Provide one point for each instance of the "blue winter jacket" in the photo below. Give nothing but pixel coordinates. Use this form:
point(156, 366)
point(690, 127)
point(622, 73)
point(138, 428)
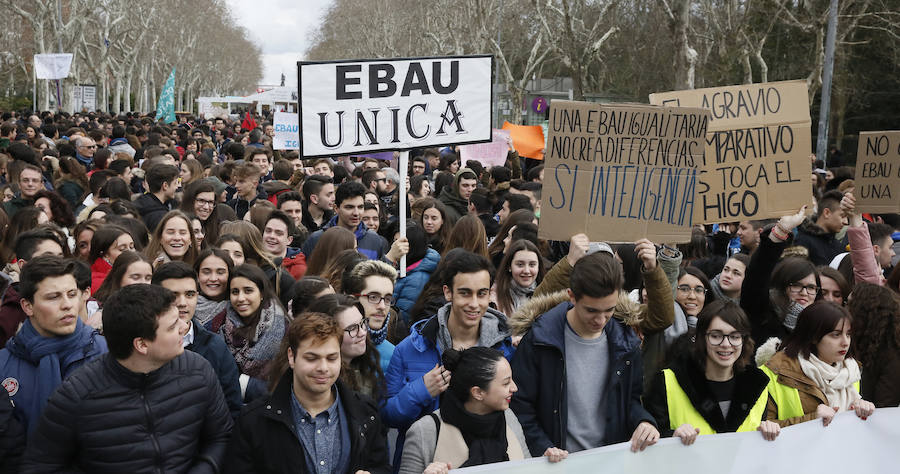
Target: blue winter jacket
point(408, 288)
point(407, 398)
point(368, 243)
point(539, 370)
point(29, 384)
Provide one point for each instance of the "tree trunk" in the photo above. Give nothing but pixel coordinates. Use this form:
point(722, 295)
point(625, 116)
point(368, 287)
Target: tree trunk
point(684, 57)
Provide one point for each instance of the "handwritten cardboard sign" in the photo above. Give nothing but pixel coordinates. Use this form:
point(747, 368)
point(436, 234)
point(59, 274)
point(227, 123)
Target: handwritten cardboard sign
point(758, 144)
point(492, 153)
point(352, 107)
point(620, 172)
point(877, 182)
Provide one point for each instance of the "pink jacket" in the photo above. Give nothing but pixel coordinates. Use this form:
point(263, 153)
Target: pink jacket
point(865, 267)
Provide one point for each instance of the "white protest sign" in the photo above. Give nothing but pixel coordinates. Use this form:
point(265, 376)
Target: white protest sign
point(848, 444)
point(492, 153)
point(285, 131)
point(349, 107)
point(52, 66)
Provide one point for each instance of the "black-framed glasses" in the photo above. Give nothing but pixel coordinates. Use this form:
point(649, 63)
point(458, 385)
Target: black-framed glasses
point(87, 146)
point(716, 338)
point(358, 329)
point(375, 298)
point(205, 203)
point(796, 288)
point(686, 289)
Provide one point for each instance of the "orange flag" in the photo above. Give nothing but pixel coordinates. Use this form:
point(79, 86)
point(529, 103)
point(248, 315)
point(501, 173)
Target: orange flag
point(527, 139)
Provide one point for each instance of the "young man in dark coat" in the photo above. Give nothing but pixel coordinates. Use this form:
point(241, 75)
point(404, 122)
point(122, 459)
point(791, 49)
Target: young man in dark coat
point(181, 279)
point(147, 406)
point(579, 370)
point(312, 422)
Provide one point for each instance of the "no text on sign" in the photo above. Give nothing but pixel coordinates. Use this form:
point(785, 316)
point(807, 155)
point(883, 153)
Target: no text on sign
point(349, 107)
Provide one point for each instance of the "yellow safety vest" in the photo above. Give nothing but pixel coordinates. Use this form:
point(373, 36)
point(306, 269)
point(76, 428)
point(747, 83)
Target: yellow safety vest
point(787, 399)
point(682, 411)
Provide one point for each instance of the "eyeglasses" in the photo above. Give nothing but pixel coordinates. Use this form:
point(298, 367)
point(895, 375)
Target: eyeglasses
point(375, 298)
point(797, 288)
point(358, 329)
point(88, 146)
point(716, 338)
point(205, 203)
point(685, 289)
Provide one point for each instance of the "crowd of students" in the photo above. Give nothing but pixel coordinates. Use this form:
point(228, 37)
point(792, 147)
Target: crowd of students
point(184, 298)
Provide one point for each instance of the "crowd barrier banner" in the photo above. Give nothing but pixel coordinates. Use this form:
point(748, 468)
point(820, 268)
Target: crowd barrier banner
point(350, 107)
point(877, 179)
point(286, 129)
point(620, 173)
point(758, 145)
point(847, 445)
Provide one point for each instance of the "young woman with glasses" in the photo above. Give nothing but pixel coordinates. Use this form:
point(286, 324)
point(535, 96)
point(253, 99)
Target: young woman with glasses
point(200, 200)
point(361, 368)
point(713, 387)
point(692, 293)
point(774, 290)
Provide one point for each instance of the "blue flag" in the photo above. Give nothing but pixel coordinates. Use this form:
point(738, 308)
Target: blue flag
point(165, 108)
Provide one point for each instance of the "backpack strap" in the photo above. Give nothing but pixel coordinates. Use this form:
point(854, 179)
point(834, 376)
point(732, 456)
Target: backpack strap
point(437, 426)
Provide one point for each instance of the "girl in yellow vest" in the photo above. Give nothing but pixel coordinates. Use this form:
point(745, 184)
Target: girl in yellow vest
point(713, 387)
point(813, 376)
point(474, 425)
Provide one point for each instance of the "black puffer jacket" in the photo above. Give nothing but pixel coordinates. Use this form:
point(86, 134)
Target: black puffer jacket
point(152, 210)
point(105, 418)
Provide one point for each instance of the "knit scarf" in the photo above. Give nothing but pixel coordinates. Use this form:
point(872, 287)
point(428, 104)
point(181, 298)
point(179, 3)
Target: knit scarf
point(253, 355)
point(52, 356)
point(716, 286)
point(485, 435)
point(379, 335)
point(207, 309)
point(835, 381)
point(789, 315)
point(520, 294)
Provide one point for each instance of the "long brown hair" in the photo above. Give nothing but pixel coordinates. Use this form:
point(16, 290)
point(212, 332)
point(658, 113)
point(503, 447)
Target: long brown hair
point(332, 242)
point(439, 239)
point(155, 248)
point(876, 322)
point(336, 267)
point(504, 274)
point(113, 280)
point(515, 218)
point(469, 234)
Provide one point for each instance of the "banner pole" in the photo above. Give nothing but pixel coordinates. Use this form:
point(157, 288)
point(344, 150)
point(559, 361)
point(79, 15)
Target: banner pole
point(404, 172)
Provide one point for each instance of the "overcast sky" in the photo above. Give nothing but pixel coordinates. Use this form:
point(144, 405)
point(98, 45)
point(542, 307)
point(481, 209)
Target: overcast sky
point(283, 30)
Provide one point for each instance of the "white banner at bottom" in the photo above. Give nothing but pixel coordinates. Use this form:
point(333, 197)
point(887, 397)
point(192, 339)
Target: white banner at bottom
point(847, 445)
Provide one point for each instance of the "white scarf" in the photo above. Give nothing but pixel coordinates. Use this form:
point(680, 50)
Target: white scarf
point(836, 382)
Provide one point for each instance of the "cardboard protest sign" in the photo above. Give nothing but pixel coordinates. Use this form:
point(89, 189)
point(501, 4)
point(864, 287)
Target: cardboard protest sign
point(877, 179)
point(350, 107)
point(492, 153)
point(286, 129)
point(621, 172)
point(757, 149)
point(528, 140)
